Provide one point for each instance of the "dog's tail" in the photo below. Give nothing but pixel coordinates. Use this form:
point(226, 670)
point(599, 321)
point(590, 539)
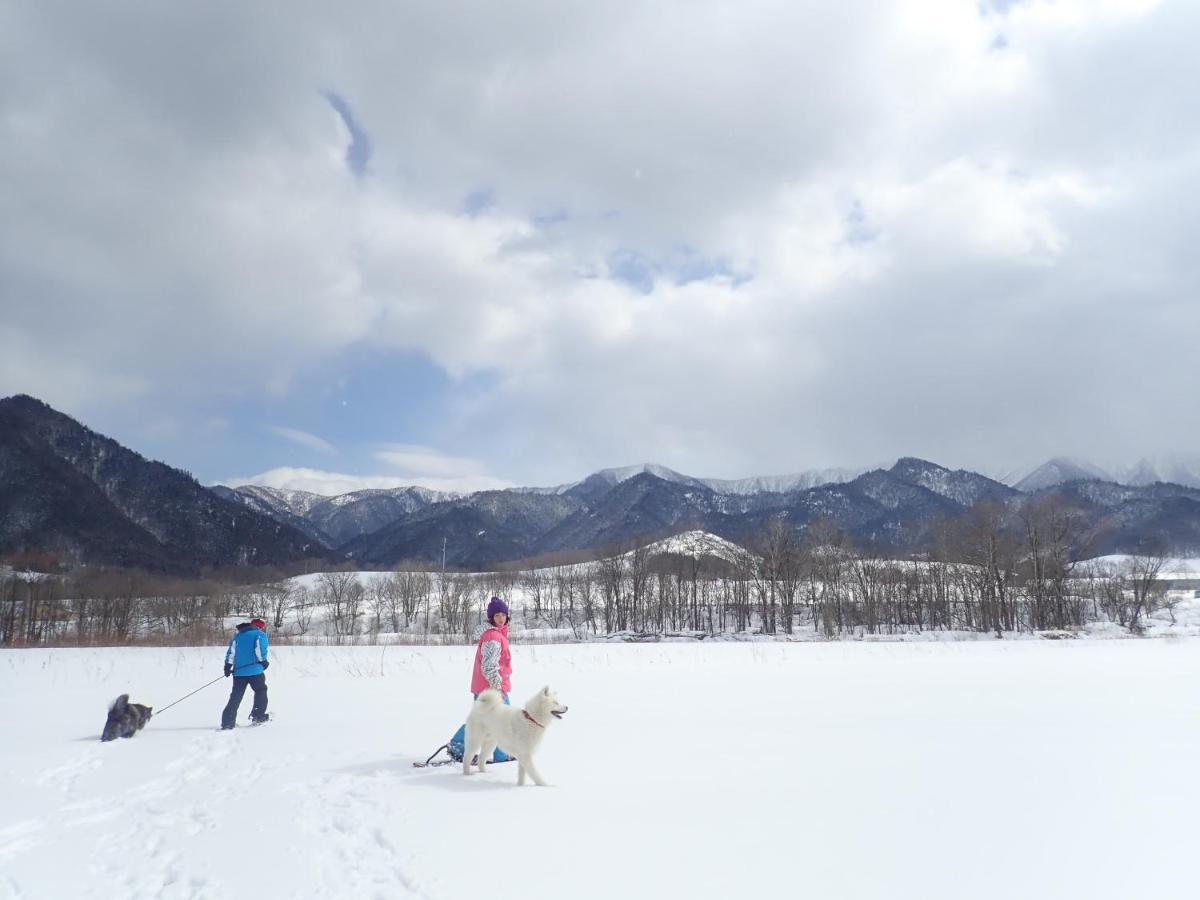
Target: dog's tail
point(116, 712)
point(491, 698)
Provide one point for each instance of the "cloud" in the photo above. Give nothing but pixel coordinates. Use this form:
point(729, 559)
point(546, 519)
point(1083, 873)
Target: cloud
point(786, 235)
point(318, 481)
point(427, 461)
point(410, 464)
point(303, 439)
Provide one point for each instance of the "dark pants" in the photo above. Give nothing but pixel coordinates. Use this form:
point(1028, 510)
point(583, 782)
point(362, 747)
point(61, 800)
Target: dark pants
point(259, 684)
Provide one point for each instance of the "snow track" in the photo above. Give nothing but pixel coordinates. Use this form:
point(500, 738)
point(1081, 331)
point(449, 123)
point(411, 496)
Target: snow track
point(359, 829)
point(924, 770)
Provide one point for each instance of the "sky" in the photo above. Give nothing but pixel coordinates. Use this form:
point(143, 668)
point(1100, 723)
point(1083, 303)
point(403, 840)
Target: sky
point(473, 245)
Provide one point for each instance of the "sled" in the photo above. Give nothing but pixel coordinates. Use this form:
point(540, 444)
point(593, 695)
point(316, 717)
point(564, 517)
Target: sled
point(432, 763)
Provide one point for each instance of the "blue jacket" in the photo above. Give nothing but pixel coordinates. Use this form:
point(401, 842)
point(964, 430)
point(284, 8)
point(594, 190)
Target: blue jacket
point(247, 650)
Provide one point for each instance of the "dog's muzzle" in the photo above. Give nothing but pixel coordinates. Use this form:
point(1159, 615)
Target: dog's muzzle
point(559, 713)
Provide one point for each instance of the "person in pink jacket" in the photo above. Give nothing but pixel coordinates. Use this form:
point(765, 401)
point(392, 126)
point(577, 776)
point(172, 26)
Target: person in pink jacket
point(493, 663)
point(492, 669)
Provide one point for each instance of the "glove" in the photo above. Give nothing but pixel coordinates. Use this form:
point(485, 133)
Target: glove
point(228, 670)
point(265, 664)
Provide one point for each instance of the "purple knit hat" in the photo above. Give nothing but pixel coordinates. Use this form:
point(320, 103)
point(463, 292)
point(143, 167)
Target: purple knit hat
point(494, 606)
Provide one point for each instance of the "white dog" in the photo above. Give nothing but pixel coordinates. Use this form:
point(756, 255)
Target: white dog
point(518, 731)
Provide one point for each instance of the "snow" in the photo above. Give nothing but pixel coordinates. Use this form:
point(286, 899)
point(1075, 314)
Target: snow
point(781, 484)
point(926, 770)
point(737, 486)
point(1176, 468)
point(1173, 569)
point(624, 473)
point(1058, 470)
point(696, 543)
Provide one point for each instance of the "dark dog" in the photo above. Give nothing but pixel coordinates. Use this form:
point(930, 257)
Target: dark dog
point(125, 719)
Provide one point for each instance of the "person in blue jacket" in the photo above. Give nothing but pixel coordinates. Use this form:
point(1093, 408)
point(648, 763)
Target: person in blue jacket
point(246, 661)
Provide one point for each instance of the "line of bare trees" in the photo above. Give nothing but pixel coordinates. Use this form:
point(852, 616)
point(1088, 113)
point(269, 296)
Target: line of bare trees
point(108, 608)
point(994, 571)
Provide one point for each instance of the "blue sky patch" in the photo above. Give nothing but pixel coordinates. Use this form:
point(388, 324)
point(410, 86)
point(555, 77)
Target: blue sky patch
point(478, 202)
point(633, 269)
point(357, 401)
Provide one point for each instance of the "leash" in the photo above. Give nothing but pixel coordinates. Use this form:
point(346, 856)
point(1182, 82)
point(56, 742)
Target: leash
point(432, 755)
point(196, 691)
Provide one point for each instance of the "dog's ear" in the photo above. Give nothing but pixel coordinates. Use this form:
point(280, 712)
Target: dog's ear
point(546, 691)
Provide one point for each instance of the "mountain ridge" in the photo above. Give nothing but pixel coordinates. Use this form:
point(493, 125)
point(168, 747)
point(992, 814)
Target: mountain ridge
point(82, 496)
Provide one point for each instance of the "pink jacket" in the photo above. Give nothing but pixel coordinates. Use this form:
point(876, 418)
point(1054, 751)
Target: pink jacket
point(492, 659)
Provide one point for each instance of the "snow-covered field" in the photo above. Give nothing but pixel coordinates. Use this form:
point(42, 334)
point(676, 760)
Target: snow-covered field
point(1034, 769)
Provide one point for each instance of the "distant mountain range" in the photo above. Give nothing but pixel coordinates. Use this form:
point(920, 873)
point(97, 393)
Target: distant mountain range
point(776, 484)
point(82, 497)
point(1178, 469)
point(334, 520)
point(894, 508)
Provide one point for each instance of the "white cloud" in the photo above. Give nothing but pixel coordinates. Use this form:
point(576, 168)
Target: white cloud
point(426, 461)
point(303, 439)
point(318, 481)
point(411, 465)
point(977, 209)
point(936, 216)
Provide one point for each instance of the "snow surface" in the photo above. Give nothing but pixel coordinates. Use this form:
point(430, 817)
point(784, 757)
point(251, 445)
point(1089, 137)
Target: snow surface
point(1173, 569)
point(1058, 470)
point(738, 486)
point(1176, 468)
point(695, 543)
point(1061, 769)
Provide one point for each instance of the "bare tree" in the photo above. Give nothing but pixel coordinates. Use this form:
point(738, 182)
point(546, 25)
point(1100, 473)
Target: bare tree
point(454, 600)
point(986, 540)
point(1051, 531)
point(341, 595)
point(639, 577)
point(585, 585)
point(1144, 585)
point(611, 570)
point(302, 609)
point(277, 600)
point(824, 553)
point(407, 589)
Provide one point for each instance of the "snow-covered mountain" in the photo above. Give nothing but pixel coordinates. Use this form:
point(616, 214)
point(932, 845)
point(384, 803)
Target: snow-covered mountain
point(609, 478)
point(896, 507)
point(335, 520)
point(758, 484)
point(298, 503)
point(697, 544)
point(963, 487)
point(1169, 468)
point(1174, 469)
point(347, 516)
point(78, 496)
point(782, 484)
point(1060, 470)
point(289, 507)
